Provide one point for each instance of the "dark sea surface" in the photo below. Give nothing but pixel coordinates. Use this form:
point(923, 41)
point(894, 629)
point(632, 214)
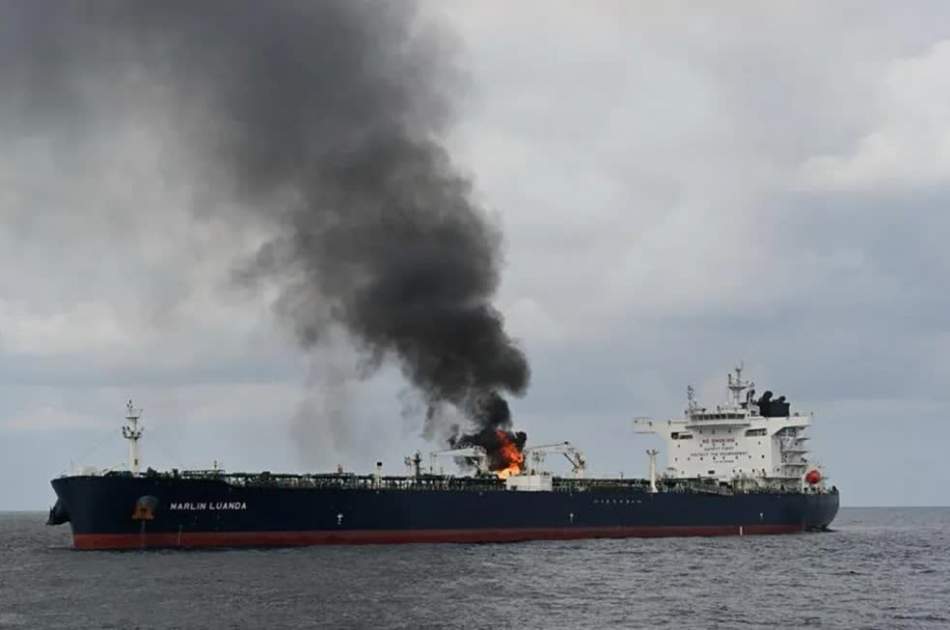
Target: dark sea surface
point(880, 568)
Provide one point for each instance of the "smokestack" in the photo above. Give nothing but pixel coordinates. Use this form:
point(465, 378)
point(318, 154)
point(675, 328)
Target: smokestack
point(324, 121)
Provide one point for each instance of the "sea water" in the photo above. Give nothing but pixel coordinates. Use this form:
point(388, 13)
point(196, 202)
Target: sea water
point(880, 568)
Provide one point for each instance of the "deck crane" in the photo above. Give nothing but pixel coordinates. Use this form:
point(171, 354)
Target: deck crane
point(474, 454)
point(574, 456)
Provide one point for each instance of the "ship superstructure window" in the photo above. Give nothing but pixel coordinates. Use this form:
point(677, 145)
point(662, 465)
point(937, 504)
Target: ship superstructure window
point(755, 432)
point(720, 416)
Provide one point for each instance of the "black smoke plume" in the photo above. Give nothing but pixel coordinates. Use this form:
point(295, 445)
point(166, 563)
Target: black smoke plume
point(324, 119)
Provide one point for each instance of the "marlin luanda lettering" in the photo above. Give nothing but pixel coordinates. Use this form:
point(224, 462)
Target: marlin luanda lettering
point(206, 505)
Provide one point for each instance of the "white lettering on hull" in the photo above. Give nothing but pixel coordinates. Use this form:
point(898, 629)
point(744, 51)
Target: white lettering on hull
point(197, 506)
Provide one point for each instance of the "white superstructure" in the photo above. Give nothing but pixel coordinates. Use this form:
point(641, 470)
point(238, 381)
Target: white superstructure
point(745, 440)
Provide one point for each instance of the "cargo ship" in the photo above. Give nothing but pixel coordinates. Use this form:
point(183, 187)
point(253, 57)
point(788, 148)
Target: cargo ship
point(740, 468)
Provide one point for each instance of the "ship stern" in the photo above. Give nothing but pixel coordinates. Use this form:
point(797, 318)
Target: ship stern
point(821, 510)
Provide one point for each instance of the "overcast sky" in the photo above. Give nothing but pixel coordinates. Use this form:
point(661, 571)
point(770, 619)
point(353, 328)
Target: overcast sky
point(679, 189)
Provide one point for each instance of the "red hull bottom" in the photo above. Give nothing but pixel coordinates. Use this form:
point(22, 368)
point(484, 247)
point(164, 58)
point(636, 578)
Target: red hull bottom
point(387, 537)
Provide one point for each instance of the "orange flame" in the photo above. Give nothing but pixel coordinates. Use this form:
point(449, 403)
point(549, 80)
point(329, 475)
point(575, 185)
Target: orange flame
point(509, 453)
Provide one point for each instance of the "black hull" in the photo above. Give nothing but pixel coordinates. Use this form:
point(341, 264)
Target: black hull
point(116, 512)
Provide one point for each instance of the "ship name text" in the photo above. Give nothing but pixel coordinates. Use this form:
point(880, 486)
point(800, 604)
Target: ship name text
point(195, 506)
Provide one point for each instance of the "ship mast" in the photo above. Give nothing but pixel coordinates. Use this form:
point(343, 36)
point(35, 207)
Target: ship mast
point(133, 432)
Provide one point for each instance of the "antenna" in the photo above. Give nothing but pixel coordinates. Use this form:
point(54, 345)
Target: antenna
point(132, 432)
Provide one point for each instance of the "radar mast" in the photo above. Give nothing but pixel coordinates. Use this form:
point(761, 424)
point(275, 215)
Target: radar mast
point(737, 385)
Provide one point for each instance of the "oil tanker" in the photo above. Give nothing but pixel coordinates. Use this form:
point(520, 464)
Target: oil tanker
point(740, 468)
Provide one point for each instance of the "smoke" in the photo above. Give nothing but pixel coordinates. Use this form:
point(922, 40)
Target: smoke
point(323, 121)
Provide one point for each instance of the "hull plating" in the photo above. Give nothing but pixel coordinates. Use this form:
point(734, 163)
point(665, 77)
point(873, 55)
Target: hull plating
point(132, 513)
